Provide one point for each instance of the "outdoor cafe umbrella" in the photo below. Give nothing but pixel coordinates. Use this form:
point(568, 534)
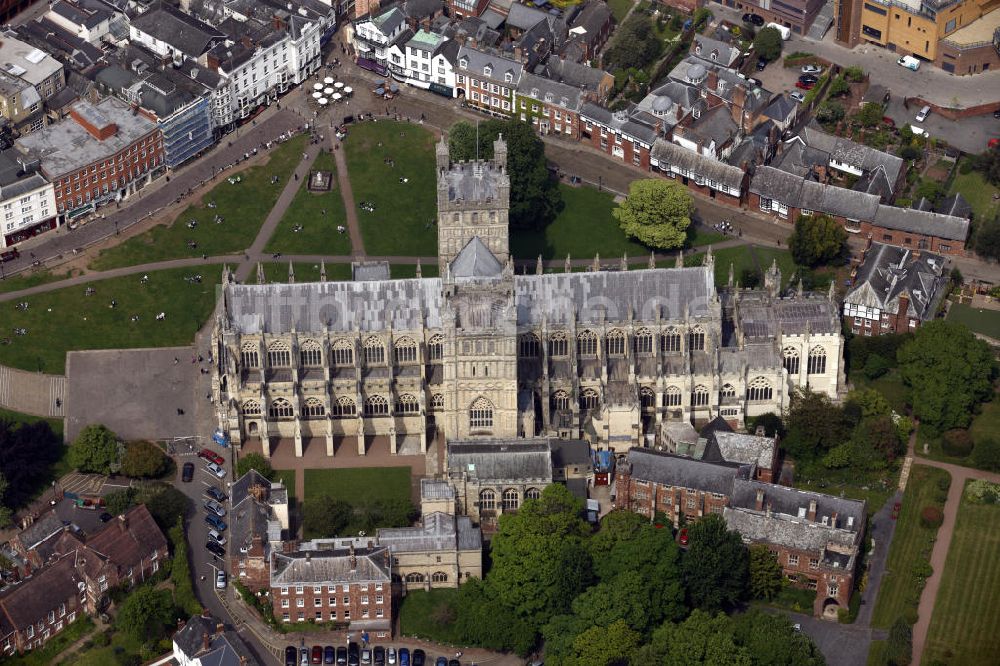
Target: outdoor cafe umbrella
point(328, 80)
point(393, 88)
point(348, 90)
point(323, 101)
point(317, 86)
point(336, 97)
point(328, 91)
point(338, 85)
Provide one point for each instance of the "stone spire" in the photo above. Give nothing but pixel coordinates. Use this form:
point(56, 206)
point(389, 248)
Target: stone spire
point(798, 289)
point(500, 153)
point(652, 260)
point(568, 266)
point(709, 258)
point(539, 268)
point(596, 266)
point(419, 273)
point(441, 154)
point(772, 279)
point(291, 273)
point(679, 262)
point(260, 274)
point(625, 261)
point(730, 281)
point(829, 294)
point(322, 271)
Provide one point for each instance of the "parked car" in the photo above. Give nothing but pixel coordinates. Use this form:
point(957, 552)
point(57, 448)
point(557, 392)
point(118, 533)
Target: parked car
point(419, 657)
point(404, 656)
point(105, 517)
point(215, 494)
point(216, 469)
point(304, 654)
point(211, 456)
point(808, 78)
point(805, 86)
point(329, 655)
point(909, 62)
point(216, 523)
point(378, 655)
point(441, 661)
point(342, 655)
point(353, 654)
point(220, 579)
point(797, 96)
point(919, 131)
point(187, 472)
point(214, 507)
point(682, 536)
point(317, 654)
point(291, 656)
point(923, 113)
point(811, 69)
point(366, 657)
point(217, 537)
point(215, 548)
point(761, 64)
point(753, 19)
point(390, 656)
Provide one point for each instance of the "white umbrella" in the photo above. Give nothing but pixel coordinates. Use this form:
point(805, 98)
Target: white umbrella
point(317, 86)
point(336, 97)
point(323, 101)
point(339, 84)
point(348, 90)
point(328, 80)
point(317, 95)
point(328, 91)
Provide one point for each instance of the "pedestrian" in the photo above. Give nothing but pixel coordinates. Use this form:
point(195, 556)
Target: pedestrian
point(176, 360)
point(180, 412)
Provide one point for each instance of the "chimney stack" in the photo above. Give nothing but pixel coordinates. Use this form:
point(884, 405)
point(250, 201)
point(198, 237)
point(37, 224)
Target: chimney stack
point(759, 504)
point(811, 515)
point(206, 641)
point(219, 628)
point(354, 560)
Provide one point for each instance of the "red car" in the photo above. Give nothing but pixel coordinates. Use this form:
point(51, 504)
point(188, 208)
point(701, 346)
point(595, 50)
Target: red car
point(317, 654)
point(805, 86)
point(211, 456)
point(993, 143)
point(888, 121)
point(682, 537)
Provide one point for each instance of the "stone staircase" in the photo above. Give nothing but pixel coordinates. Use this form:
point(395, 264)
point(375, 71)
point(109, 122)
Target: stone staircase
point(822, 23)
point(32, 393)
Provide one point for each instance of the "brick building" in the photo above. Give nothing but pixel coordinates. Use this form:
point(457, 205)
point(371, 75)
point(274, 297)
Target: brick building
point(350, 587)
point(258, 523)
point(702, 174)
point(894, 290)
point(626, 135)
point(103, 152)
point(551, 107)
point(34, 611)
point(487, 80)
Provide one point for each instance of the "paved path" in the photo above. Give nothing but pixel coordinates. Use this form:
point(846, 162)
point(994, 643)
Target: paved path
point(350, 207)
point(32, 393)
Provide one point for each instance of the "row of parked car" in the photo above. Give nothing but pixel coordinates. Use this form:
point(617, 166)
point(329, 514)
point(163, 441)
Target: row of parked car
point(353, 655)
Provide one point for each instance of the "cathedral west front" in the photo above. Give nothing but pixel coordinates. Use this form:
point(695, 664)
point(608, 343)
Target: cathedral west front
point(610, 356)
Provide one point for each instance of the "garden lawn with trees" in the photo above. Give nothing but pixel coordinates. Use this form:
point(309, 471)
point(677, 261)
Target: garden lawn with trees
point(340, 502)
point(656, 213)
point(32, 455)
point(309, 225)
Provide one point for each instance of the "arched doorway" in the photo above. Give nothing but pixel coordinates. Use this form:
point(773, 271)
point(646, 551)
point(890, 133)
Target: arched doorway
point(830, 608)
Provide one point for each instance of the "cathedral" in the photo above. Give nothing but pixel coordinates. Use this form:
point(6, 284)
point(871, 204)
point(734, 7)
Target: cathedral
point(616, 357)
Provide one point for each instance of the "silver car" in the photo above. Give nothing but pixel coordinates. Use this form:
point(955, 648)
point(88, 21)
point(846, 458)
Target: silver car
point(214, 507)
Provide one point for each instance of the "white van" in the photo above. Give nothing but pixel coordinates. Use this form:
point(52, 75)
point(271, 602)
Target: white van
point(909, 62)
point(919, 131)
point(923, 113)
point(786, 33)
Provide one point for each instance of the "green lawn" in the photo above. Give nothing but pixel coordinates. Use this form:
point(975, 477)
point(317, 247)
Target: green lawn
point(965, 627)
point(65, 319)
point(318, 234)
point(243, 207)
point(986, 322)
point(404, 220)
point(890, 385)
point(277, 271)
point(359, 483)
point(419, 613)
point(121, 646)
point(18, 417)
point(31, 279)
point(767, 255)
point(619, 8)
point(911, 544)
point(977, 192)
point(287, 477)
point(986, 424)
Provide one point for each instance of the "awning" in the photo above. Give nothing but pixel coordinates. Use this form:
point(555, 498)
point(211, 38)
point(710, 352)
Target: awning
point(79, 212)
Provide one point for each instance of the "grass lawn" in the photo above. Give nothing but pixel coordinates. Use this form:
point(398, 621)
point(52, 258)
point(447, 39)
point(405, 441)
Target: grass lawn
point(420, 612)
point(986, 322)
point(277, 271)
point(53, 648)
point(65, 319)
point(102, 656)
point(977, 192)
point(243, 207)
point(319, 233)
point(287, 477)
point(619, 8)
point(359, 483)
point(404, 220)
point(31, 279)
point(987, 423)
point(698, 237)
point(768, 255)
point(965, 627)
point(791, 598)
point(911, 544)
point(18, 417)
point(890, 385)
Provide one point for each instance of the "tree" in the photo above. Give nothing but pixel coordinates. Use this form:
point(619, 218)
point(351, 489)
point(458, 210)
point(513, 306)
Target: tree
point(816, 240)
point(767, 44)
point(773, 641)
point(899, 648)
point(854, 74)
point(165, 503)
point(929, 189)
point(144, 460)
point(535, 199)
point(94, 450)
point(607, 645)
point(478, 622)
point(949, 371)
point(839, 86)
point(870, 114)
point(700, 639)
point(145, 613)
point(988, 164)
point(715, 568)
point(988, 239)
point(634, 44)
point(765, 572)
point(6, 515)
point(814, 425)
point(118, 502)
point(656, 212)
point(830, 112)
point(324, 516)
point(27, 453)
point(986, 455)
point(254, 461)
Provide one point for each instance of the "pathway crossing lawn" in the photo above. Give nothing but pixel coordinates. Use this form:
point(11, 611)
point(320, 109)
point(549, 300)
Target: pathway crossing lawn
point(318, 234)
point(66, 319)
point(965, 627)
point(358, 485)
point(243, 207)
point(404, 222)
point(29, 279)
point(277, 271)
point(911, 544)
point(979, 320)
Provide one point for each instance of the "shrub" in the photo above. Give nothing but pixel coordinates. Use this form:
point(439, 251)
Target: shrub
point(909, 152)
point(982, 491)
point(876, 366)
point(944, 483)
point(957, 442)
point(986, 455)
point(854, 74)
point(911, 615)
point(931, 517)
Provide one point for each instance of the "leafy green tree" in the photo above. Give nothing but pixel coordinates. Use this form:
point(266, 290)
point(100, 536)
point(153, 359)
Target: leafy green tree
point(634, 44)
point(144, 460)
point(27, 453)
point(120, 501)
point(773, 641)
point(94, 450)
point(988, 164)
point(986, 454)
point(145, 613)
point(478, 621)
point(701, 639)
point(254, 461)
point(6, 515)
point(324, 516)
point(830, 112)
point(767, 44)
point(814, 425)
point(165, 503)
point(899, 647)
point(876, 366)
point(535, 199)
point(929, 189)
point(870, 402)
point(816, 240)
point(988, 239)
point(627, 597)
point(607, 645)
point(870, 114)
point(715, 568)
point(656, 212)
point(854, 74)
point(765, 573)
point(949, 371)
point(839, 86)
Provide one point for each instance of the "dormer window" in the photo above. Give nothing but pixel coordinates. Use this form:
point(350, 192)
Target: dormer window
point(534, 93)
point(464, 62)
point(722, 85)
point(696, 113)
point(508, 77)
point(715, 55)
point(487, 71)
point(548, 97)
point(697, 49)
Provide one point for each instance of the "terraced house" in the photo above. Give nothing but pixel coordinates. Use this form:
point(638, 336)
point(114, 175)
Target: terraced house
point(487, 81)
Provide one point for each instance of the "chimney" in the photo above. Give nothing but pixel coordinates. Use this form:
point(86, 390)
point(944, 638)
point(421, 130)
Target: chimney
point(833, 519)
point(370, 543)
point(219, 628)
point(768, 512)
point(759, 504)
point(122, 523)
point(206, 641)
point(354, 560)
point(811, 515)
point(713, 80)
point(760, 431)
point(308, 558)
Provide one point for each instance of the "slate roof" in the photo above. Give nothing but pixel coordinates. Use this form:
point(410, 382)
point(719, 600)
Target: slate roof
point(240, 489)
point(682, 472)
point(551, 92)
point(781, 108)
point(388, 21)
point(477, 61)
point(592, 18)
point(790, 316)
point(639, 125)
point(724, 53)
point(566, 452)
point(572, 73)
point(62, 44)
point(922, 222)
point(858, 155)
point(500, 460)
point(184, 32)
point(523, 17)
point(224, 649)
point(784, 530)
point(669, 153)
point(331, 567)
point(796, 192)
point(40, 530)
point(78, 16)
point(741, 448)
point(436, 489)
point(956, 206)
point(31, 600)
point(717, 126)
point(889, 272)
point(475, 261)
point(794, 502)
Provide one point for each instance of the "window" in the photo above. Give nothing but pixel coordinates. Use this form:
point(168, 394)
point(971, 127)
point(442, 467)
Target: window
point(374, 351)
point(435, 348)
point(406, 350)
point(311, 354)
point(407, 404)
point(643, 342)
point(511, 499)
point(279, 355)
point(647, 399)
point(376, 405)
point(728, 391)
point(589, 399)
point(672, 397)
point(560, 401)
point(481, 414)
point(280, 409)
point(586, 344)
point(528, 346)
point(487, 500)
point(343, 408)
point(790, 360)
point(696, 339)
point(817, 361)
point(313, 408)
point(691, 502)
point(300, 603)
point(616, 342)
point(532, 494)
point(318, 602)
point(249, 357)
point(439, 577)
point(558, 345)
point(699, 397)
point(414, 578)
point(832, 589)
point(671, 341)
point(759, 390)
point(251, 408)
point(813, 563)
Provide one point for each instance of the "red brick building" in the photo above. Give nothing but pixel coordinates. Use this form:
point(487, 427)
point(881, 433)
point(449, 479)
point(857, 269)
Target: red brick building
point(702, 174)
point(625, 135)
point(100, 153)
point(37, 609)
point(351, 588)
